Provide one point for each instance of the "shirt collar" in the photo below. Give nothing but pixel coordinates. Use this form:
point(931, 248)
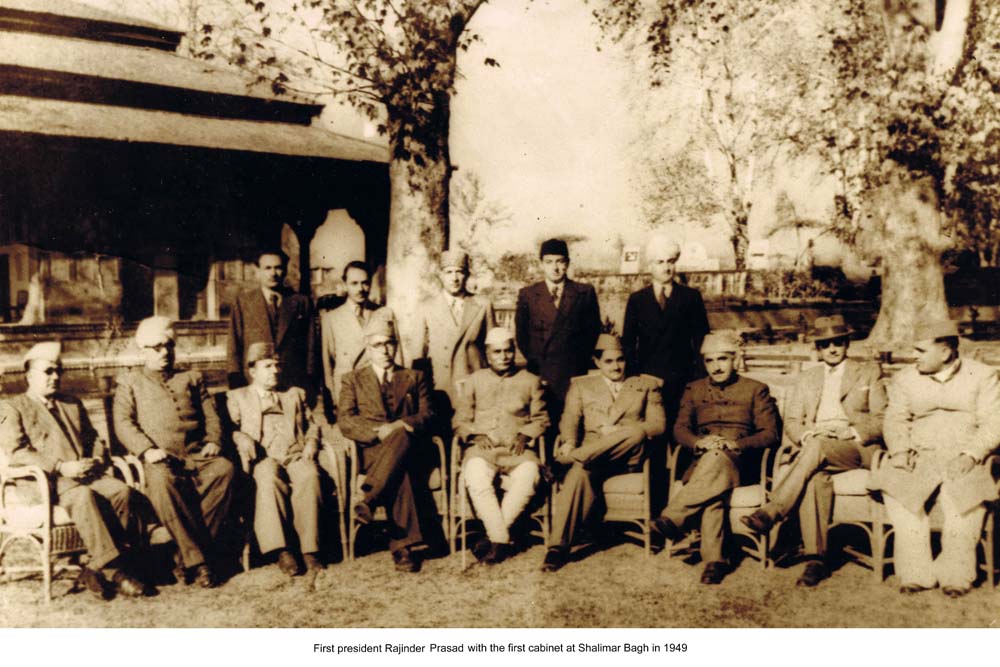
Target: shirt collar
point(268, 292)
point(46, 402)
point(383, 374)
point(560, 286)
point(614, 386)
point(835, 371)
point(948, 372)
point(261, 392)
point(663, 288)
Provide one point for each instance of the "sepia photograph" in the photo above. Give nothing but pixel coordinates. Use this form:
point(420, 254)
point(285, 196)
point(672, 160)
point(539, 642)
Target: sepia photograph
point(423, 320)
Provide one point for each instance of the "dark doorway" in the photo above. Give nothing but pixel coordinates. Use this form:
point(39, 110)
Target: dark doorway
point(5, 312)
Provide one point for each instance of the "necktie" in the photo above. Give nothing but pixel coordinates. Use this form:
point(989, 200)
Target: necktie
point(615, 388)
point(272, 311)
point(384, 388)
point(661, 298)
point(456, 310)
point(555, 296)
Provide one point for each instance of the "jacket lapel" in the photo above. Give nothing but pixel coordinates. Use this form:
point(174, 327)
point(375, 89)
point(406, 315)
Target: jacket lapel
point(258, 303)
point(286, 312)
point(353, 333)
point(397, 391)
point(71, 420)
point(849, 379)
point(370, 384)
point(55, 434)
point(253, 414)
point(815, 392)
point(288, 410)
point(565, 305)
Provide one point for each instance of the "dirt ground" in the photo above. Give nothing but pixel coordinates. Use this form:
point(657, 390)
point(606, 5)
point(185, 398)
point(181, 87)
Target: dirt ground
point(616, 587)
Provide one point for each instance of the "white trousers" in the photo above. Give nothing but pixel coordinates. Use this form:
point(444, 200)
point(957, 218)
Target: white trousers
point(519, 488)
point(955, 566)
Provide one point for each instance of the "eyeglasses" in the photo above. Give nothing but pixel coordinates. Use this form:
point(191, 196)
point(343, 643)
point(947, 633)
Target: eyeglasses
point(159, 347)
point(832, 342)
point(53, 370)
point(383, 345)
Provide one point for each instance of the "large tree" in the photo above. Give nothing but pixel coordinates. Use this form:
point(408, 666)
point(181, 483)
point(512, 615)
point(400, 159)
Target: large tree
point(396, 61)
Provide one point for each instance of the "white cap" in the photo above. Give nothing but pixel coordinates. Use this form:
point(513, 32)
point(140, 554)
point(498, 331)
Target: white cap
point(154, 331)
point(498, 336)
point(48, 351)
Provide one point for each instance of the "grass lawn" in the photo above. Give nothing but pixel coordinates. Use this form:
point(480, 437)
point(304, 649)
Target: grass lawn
point(617, 587)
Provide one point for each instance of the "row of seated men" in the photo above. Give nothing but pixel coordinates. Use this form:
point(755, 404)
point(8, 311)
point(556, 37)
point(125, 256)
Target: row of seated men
point(941, 420)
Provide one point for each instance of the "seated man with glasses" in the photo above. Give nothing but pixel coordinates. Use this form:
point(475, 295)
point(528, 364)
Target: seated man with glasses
point(44, 428)
point(167, 419)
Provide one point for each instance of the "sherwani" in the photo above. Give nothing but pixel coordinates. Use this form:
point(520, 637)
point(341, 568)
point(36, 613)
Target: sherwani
point(279, 432)
point(614, 432)
point(500, 407)
point(31, 435)
point(938, 418)
point(741, 410)
point(389, 463)
point(175, 413)
point(858, 402)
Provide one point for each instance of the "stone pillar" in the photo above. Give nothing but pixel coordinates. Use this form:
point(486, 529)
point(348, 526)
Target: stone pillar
point(336, 242)
point(166, 288)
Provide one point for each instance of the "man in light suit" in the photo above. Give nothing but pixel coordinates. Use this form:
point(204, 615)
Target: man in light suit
point(557, 322)
point(271, 313)
point(451, 331)
point(343, 335)
point(943, 420)
point(615, 416)
point(834, 422)
point(727, 420)
point(500, 412)
point(44, 428)
point(385, 408)
point(168, 420)
point(276, 436)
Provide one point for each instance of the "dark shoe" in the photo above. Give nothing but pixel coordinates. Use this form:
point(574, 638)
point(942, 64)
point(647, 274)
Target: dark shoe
point(363, 513)
point(94, 582)
point(954, 592)
point(714, 573)
point(910, 589)
point(481, 548)
point(288, 563)
point(204, 577)
point(815, 572)
point(498, 553)
point(405, 561)
point(759, 522)
point(313, 564)
point(667, 528)
point(131, 587)
point(555, 558)
point(180, 573)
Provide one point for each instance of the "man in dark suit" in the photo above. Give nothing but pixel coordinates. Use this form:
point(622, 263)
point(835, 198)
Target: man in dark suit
point(834, 422)
point(44, 428)
point(725, 419)
point(558, 321)
point(664, 325)
point(271, 313)
point(384, 408)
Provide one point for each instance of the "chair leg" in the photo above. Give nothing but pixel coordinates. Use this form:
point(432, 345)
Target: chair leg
point(245, 560)
point(879, 540)
point(646, 538)
point(462, 520)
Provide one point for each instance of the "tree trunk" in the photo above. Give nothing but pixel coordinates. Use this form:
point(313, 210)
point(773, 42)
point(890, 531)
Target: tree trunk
point(740, 242)
point(418, 219)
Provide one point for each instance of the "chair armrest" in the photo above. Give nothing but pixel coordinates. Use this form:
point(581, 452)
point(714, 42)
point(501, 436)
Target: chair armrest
point(539, 445)
point(10, 473)
point(125, 470)
point(765, 479)
point(439, 443)
point(878, 458)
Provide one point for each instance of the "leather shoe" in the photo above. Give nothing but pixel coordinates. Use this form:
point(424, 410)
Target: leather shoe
point(910, 589)
point(954, 591)
point(667, 528)
point(481, 548)
point(555, 558)
point(131, 587)
point(759, 522)
point(497, 554)
point(714, 573)
point(94, 582)
point(405, 561)
point(180, 574)
point(313, 563)
point(288, 563)
point(363, 513)
point(815, 572)
point(204, 577)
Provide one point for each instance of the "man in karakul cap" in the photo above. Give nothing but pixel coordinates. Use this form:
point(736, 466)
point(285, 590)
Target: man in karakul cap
point(384, 408)
point(942, 421)
point(727, 420)
point(557, 322)
point(607, 421)
point(450, 333)
point(168, 419)
point(277, 438)
point(834, 423)
point(44, 428)
point(499, 416)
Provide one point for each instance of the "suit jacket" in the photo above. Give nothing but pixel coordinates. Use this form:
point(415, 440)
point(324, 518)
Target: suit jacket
point(30, 435)
point(361, 409)
point(244, 409)
point(455, 349)
point(176, 414)
point(665, 343)
point(500, 407)
point(558, 344)
point(343, 344)
point(590, 407)
point(294, 338)
point(862, 396)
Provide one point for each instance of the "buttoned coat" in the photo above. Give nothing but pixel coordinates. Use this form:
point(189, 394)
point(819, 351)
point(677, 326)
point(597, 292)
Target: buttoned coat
point(30, 435)
point(862, 396)
point(557, 344)
point(455, 349)
point(244, 407)
point(500, 408)
point(361, 409)
point(343, 343)
point(590, 407)
point(294, 338)
point(176, 414)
